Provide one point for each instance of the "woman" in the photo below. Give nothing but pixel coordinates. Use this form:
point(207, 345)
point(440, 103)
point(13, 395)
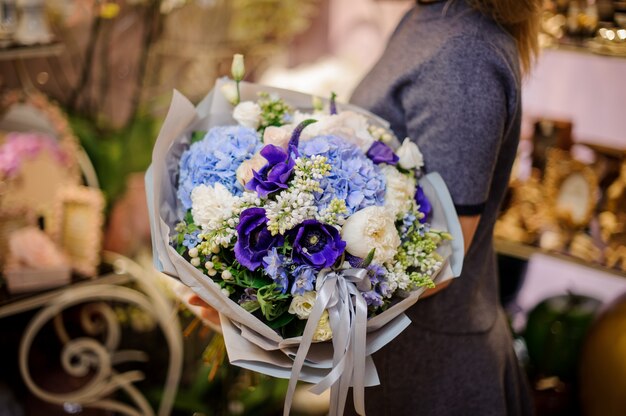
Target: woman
point(450, 80)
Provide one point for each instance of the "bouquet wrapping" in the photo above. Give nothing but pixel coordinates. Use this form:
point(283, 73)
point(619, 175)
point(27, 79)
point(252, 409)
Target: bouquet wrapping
point(351, 311)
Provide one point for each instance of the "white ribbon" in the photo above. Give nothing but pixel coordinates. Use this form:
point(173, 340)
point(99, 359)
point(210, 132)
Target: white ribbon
point(338, 291)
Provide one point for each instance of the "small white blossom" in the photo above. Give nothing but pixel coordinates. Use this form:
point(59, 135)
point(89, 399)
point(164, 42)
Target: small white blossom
point(290, 208)
point(195, 262)
point(193, 252)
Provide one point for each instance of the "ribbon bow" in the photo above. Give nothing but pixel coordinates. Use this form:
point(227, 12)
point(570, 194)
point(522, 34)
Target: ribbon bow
point(338, 291)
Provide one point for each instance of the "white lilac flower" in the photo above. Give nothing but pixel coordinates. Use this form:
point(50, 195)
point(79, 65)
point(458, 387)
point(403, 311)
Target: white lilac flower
point(290, 208)
point(248, 114)
point(400, 191)
point(309, 171)
point(323, 332)
point(334, 214)
point(381, 134)
point(371, 228)
point(410, 155)
point(302, 305)
point(211, 204)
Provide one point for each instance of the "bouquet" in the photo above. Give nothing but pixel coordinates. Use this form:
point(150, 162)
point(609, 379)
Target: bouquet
point(304, 223)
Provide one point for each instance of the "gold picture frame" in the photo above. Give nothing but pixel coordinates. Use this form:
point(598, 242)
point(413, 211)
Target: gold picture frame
point(77, 227)
point(571, 189)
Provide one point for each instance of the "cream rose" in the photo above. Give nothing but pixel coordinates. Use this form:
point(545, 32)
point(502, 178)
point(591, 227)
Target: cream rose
point(371, 228)
point(348, 125)
point(211, 203)
point(245, 170)
point(302, 305)
point(278, 136)
point(248, 114)
point(400, 190)
point(323, 332)
point(410, 155)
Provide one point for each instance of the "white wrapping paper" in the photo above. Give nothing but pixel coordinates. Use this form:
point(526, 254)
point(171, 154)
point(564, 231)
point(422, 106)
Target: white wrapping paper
point(249, 342)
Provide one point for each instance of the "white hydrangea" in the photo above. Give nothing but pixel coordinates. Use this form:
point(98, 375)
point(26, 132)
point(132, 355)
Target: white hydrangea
point(211, 204)
point(400, 192)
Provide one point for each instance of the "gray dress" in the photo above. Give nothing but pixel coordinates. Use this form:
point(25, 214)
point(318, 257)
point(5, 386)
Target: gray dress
point(450, 80)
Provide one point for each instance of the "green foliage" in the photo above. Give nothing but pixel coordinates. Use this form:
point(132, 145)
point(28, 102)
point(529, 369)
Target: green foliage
point(273, 303)
point(117, 153)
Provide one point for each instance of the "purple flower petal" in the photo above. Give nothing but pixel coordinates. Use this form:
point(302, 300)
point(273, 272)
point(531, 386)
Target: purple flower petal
point(379, 152)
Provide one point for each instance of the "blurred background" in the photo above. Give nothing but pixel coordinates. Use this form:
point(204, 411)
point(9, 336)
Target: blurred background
point(87, 326)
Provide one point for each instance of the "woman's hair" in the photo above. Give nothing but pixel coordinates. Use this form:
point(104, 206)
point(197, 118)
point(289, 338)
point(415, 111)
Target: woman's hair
point(521, 18)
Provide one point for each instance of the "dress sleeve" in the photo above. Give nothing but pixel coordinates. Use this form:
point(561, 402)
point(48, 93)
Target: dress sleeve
point(456, 111)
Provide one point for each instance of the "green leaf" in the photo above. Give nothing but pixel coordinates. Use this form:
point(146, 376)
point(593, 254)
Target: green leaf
point(281, 321)
point(196, 136)
point(368, 259)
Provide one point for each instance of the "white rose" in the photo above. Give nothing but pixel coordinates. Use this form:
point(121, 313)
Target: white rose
point(278, 136)
point(211, 203)
point(245, 170)
point(229, 90)
point(323, 332)
point(348, 125)
point(302, 305)
point(410, 155)
point(400, 191)
point(371, 228)
point(248, 114)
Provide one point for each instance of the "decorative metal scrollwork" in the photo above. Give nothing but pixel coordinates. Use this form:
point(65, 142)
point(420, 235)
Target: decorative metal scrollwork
point(97, 355)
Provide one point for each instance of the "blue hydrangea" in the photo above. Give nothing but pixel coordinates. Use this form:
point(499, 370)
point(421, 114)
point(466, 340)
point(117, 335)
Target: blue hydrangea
point(354, 178)
point(215, 159)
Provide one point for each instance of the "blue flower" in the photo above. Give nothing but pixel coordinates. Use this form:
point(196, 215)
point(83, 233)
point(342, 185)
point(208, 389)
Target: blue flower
point(407, 222)
point(254, 240)
point(192, 240)
point(423, 202)
point(304, 280)
point(274, 264)
point(373, 298)
point(316, 244)
point(215, 159)
point(354, 178)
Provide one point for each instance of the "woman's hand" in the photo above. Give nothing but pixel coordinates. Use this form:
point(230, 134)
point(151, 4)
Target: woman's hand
point(207, 312)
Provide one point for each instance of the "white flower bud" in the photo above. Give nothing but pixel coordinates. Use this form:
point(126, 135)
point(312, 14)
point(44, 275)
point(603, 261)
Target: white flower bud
point(238, 69)
point(193, 253)
point(410, 155)
point(227, 275)
point(195, 262)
